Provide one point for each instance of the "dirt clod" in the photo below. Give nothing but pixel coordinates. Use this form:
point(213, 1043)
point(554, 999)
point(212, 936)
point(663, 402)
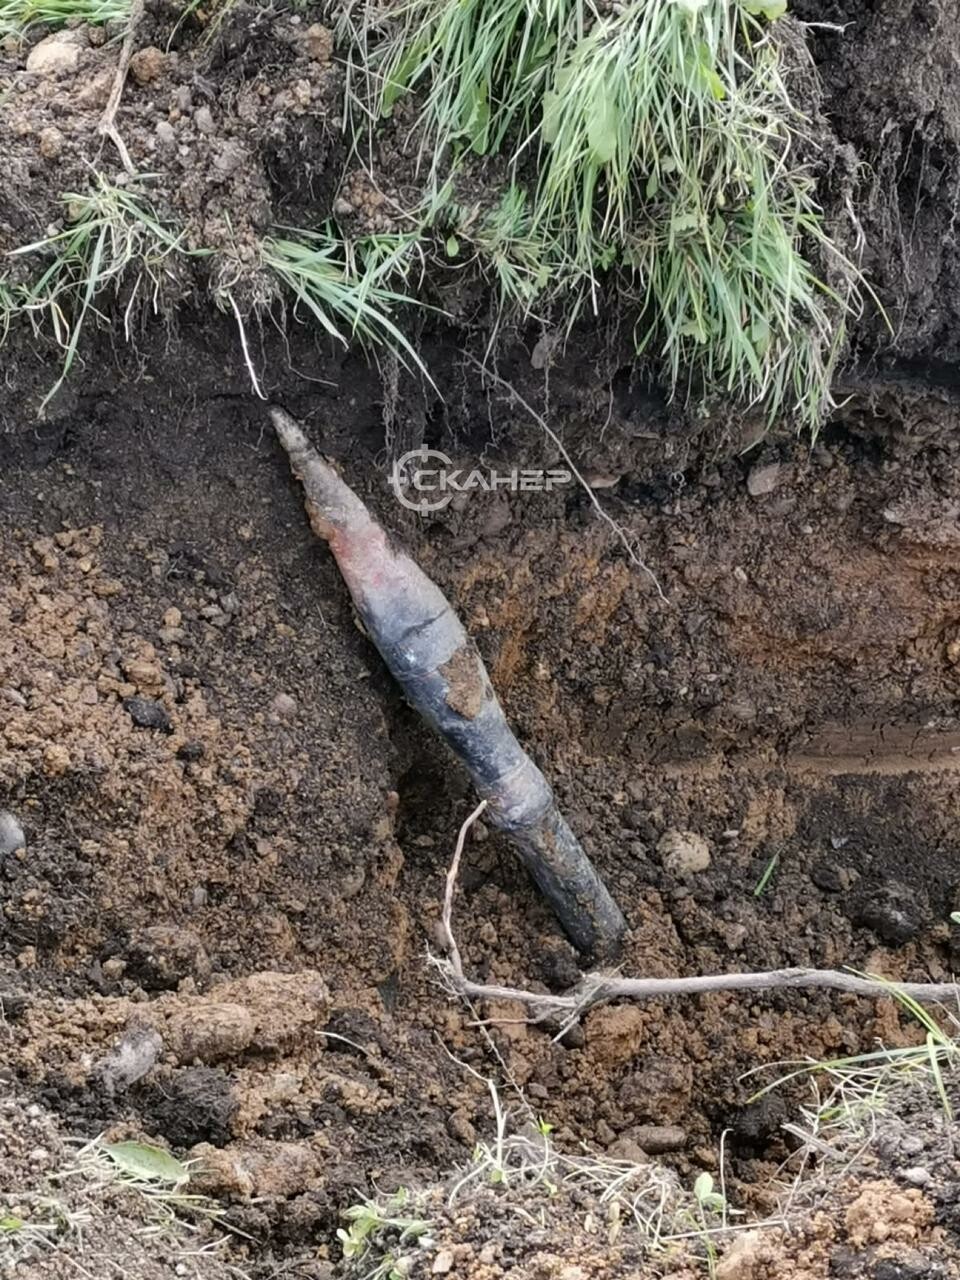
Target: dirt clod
point(159, 957)
point(147, 713)
point(146, 65)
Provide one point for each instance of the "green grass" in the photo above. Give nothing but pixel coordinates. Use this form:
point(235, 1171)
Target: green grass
point(113, 238)
point(655, 142)
point(114, 244)
point(866, 1082)
point(18, 16)
point(343, 286)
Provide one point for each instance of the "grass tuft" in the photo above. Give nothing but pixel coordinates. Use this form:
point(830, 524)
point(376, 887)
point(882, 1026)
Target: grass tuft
point(112, 238)
point(655, 141)
point(855, 1097)
point(18, 16)
point(343, 286)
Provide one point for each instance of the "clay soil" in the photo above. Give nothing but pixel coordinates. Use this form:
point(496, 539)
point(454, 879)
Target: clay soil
point(237, 832)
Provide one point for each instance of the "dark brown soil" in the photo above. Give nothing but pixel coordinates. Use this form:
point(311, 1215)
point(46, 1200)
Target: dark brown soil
point(237, 832)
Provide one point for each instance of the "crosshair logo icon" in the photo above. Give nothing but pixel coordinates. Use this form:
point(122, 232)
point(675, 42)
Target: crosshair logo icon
point(422, 471)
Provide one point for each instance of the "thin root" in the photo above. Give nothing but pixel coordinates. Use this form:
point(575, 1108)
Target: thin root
point(600, 988)
point(108, 125)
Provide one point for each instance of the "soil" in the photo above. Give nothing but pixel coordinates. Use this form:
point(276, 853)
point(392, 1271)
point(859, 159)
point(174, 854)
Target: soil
point(237, 832)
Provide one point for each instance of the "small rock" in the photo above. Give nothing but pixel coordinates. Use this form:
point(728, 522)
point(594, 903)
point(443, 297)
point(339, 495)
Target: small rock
point(51, 143)
point(683, 853)
point(147, 64)
point(148, 714)
point(763, 479)
point(284, 706)
point(626, 1149)
point(166, 134)
point(654, 1139)
point(917, 1176)
point(572, 1273)
point(191, 751)
point(53, 56)
point(574, 1037)
point(113, 969)
point(203, 119)
point(442, 1263)
point(890, 911)
point(912, 1145)
point(11, 834)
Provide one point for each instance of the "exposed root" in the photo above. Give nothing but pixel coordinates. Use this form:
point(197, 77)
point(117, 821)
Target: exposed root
point(600, 988)
point(108, 125)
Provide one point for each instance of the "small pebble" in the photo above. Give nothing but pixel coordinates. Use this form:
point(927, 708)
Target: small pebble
point(51, 143)
point(683, 852)
point(763, 479)
point(11, 834)
point(655, 1139)
point(166, 134)
point(284, 706)
point(148, 714)
point(443, 1262)
point(55, 55)
point(573, 1037)
point(203, 119)
point(917, 1176)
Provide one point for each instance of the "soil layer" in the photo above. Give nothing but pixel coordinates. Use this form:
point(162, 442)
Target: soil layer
point(237, 832)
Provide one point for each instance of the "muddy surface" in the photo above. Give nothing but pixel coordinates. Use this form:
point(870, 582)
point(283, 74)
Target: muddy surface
point(236, 831)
